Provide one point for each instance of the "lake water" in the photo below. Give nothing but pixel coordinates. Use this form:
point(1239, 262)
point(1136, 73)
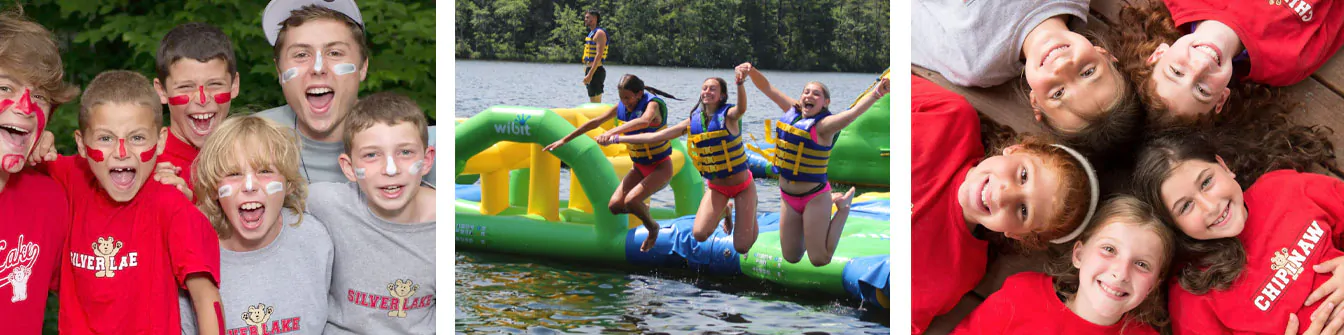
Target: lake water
point(508, 294)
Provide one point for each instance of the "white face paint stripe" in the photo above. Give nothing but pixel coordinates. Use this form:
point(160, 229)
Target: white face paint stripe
point(343, 69)
point(225, 191)
point(274, 187)
point(289, 75)
point(415, 168)
point(359, 173)
point(317, 66)
point(391, 166)
point(248, 185)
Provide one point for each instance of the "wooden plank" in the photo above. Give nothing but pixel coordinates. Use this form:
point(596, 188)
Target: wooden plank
point(1319, 106)
point(944, 324)
point(1331, 74)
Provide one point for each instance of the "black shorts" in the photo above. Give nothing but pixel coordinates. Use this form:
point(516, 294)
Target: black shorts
point(599, 76)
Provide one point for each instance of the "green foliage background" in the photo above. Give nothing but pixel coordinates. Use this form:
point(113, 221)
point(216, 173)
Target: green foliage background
point(99, 35)
point(796, 35)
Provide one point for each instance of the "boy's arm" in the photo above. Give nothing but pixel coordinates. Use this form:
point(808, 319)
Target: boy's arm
point(205, 299)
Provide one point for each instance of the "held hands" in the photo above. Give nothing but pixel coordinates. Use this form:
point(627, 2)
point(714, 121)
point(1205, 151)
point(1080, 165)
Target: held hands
point(1332, 290)
point(166, 173)
point(883, 88)
point(608, 139)
point(1319, 319)
point(742, 72)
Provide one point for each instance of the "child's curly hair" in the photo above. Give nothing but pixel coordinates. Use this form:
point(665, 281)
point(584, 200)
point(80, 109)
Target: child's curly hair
point(1076, 197)
point(1127, 210)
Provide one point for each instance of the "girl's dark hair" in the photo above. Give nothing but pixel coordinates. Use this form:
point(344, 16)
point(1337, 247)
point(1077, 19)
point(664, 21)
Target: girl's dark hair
point(1203, 264)
point(723, 94)
point(1115, 127)
point(633, 84)
point(1127, 210)
point(596, 15)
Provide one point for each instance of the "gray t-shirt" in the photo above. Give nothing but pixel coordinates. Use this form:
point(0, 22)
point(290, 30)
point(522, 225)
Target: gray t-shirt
point(278, 289)
point(979, 42)
point(319, 160)
point(383, 276)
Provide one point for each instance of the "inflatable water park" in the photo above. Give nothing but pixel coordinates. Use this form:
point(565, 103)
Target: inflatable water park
point(508, 201)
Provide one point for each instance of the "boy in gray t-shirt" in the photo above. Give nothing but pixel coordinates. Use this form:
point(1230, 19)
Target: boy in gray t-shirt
point(382, 223)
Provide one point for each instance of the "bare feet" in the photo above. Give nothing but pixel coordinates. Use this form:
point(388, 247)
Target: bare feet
point(653, 236)
point(728, 219)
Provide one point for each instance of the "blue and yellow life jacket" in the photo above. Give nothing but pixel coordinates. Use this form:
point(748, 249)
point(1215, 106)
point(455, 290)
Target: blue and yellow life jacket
point(590, 47)
point(798, 157)
point(645, 154)
point(717, 153)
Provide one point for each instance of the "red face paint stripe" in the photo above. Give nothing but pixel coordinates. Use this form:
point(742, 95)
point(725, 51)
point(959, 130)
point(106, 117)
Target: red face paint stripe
point(149, 154)
point(179, 100)
point(223, 98)
point(121, 147)
point(202, 88)
point(95, 154)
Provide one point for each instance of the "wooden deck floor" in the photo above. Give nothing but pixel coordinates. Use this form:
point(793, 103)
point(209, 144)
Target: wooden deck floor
point(1322, 103)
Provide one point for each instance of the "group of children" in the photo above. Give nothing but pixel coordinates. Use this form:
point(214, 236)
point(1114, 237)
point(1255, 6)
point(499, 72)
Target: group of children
point(1212, 227)
point(806, 131)
point(229, 237)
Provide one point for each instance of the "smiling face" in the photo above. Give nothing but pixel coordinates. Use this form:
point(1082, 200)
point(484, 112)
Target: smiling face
point(1071, 80)
point(1013, 193)
point(1117, 268)
point(1191, 76)
point(21, 112)
point(320, 70)
point(711, 93)
point(121, 145)
point(251, 199)
point(814, 98)
point(1204, 199)
point(204, 86)
point(388, 163)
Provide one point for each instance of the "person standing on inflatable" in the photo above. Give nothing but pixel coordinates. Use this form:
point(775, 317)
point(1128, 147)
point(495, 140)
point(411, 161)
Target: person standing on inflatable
point(638, 112)
point(594, 52)
point(715, 128)
point(806, 132)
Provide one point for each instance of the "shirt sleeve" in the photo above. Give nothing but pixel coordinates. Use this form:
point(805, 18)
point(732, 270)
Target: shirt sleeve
point(193, 245)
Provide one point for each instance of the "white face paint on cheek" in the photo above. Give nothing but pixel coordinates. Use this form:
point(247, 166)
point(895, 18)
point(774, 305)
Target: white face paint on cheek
point(359, 173)
point(289, 75)
point(391, 166)
point(274, 187)
point(415, 168)
point(317, 66)
point(343, 69)
point(225, 191)
point(248, 185)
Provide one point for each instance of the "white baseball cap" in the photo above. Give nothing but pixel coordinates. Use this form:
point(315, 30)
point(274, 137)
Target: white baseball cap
point(278, 11)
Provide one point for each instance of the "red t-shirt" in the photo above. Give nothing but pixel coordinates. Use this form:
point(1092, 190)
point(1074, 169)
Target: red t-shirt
point(1027, 304)
point(1287, 42)
point(36, 219)
point(1293, 223)
point(180, 154)
point(946, 261)
point(151, 243)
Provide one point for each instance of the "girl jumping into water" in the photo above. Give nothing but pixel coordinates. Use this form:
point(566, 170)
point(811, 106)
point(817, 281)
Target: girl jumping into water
point(637, 112)
point(806, 132)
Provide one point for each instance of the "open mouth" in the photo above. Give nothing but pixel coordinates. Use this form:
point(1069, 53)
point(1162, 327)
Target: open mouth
point(1215, 55)
point(251, 213)
point(122, 177)
point(16, 136)
point(1112, 291)
point(201, 123)
point(319, 98)
point(1222, 217)
point(392, 192)
point(983, 200)
point(1051, 54)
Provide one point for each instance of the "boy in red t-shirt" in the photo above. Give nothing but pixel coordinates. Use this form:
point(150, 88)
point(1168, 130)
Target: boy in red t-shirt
point(32, 206)
point(133, 244)
point(197, 79)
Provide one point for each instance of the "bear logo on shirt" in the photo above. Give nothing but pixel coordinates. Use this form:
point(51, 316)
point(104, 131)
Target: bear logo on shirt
point(402, 290)
point(106, 249)
point(1281, 262)
point(256, 316)
point(18, 280)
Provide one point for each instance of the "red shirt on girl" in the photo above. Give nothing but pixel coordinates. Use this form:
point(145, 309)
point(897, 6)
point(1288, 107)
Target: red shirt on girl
point(1287, 41)
point(946, 261)
point(36, 219)
point(1028, 304)
point(126, 261)
point(1293, 222)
